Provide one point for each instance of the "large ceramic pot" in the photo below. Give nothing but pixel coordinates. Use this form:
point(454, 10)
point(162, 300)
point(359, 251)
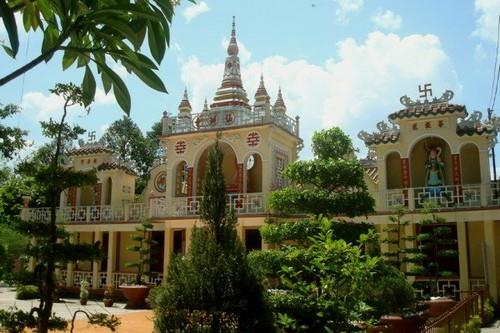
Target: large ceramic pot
point(403, 324)
point(136, 296)
point(438, 306)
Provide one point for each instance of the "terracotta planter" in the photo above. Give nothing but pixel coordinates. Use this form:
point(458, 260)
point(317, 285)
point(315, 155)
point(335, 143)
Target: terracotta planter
point(108, 302)
point(136, 296)
point(83, 301)
point(438, 306)
point(403, 324)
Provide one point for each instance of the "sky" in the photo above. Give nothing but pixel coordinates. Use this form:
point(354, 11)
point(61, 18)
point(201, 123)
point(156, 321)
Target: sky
point(339, 63)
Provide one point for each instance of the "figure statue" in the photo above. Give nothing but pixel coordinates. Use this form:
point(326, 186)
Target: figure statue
point(434, 167)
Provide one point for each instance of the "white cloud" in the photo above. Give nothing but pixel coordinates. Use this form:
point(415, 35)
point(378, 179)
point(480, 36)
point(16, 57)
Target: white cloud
point(243, 53)
point(355, 89)
point(103, 128)
point(387, 20)
point(195, 10)
point(487, 20)
point(347, 7)
point(43, 107)
point(479, 52)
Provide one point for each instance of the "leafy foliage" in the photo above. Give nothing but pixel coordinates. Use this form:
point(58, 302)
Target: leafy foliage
point(27, 292)
point(11, 138)
point(472, 326)
point(330, 184)
point(212, 288)
point(397, 254)
point(125, 138)
point(93, 35)
point(52, 244)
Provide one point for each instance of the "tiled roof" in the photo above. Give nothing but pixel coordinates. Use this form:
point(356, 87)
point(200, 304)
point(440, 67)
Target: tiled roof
point(90, 149)
point(471, 130)
point(423, 110)
point(387, 137)
point(116, 166)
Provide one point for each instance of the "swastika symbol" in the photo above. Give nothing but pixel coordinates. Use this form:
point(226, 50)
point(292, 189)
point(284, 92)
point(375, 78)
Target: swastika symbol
point(426, 89)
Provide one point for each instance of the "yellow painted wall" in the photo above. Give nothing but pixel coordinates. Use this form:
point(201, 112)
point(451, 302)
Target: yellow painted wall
point(85, 238)
point(254, 175)
point(125, 255)
point(475, 239)
point(394, 173)
point(497, 252)
point(469, 163)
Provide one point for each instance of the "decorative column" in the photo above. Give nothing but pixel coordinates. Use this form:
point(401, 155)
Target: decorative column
point(111, 257)
point(96, 266)
point(405, 174)
point(190, 181)
point(72, 196)
point(239, 177)
point(167, 250)
point(491, 258)
point(485, 176)
point(463, 255)
point(457, 177)
point(98, 194)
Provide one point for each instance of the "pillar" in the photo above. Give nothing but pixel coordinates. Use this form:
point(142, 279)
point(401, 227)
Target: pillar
point(239, 177)
point(190, 181)
point(69, 268)
point(491, 268)
point(97, 263)
point(32, 260)
point(405, 174)
point(456, 169)
point(188, 233)
point(167, 250)
point(111, 257)
point(463, 255)
point(485, 176)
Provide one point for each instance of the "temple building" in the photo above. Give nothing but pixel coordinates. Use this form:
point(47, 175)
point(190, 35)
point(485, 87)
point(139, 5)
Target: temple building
point(433, 150)
point(258, 140)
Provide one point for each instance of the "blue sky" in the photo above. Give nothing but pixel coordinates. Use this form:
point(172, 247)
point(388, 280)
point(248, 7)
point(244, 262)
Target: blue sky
point(339, 62)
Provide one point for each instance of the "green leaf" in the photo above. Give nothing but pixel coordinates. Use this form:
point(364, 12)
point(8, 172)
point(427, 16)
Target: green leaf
point(156, 40)
point(9, 22)
point(146, 75)
point(68, 59)
point(9, 51)
point(88, 85)
point(120, 90)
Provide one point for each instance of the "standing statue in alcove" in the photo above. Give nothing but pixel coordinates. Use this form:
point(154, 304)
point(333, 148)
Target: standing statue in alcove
point(434, 167)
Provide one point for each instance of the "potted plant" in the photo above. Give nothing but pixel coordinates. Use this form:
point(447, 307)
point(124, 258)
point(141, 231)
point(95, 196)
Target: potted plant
point(137, 293)
point(84, 292)
point(108, 296)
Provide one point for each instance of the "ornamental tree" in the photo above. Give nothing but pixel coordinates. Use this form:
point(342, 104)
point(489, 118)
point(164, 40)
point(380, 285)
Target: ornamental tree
point(212, 288)
point(52, 245)
point(330, 184)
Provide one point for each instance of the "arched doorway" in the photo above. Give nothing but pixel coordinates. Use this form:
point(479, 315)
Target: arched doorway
point(469, 164)
point(229, 165)
point(181, 179)
point(394, 175)
point(253, 173)
point(427, 155)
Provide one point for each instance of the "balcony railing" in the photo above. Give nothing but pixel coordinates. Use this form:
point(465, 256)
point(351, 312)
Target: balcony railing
point(445, 197)
point(242, 203)
point(228, 117)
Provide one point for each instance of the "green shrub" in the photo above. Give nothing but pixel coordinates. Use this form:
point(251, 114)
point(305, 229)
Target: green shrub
point(488, 312)
point(472, 326)
point(27, 292)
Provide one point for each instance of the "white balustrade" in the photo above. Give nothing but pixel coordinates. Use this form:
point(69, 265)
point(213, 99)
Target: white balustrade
point(495, 193)
point(101, 283)
point(228, 117)
point(123, 278)
point(79, 276)
point(450, 196)
point(394, 198)
point(443, 287)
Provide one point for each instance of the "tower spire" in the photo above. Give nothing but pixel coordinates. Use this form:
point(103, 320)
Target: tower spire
point(231, 91)
point(185, 106)
point(279, 105)
point(261, 96)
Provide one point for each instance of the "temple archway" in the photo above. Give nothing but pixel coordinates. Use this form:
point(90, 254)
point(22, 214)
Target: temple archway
point(393, 171)
point(430, 163)
point(229, 165)
point(181, 179)
point(253, 173)
point(469, 164)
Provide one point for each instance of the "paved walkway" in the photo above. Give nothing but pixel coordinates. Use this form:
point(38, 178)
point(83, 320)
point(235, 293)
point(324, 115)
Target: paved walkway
point(132, 320)
point(494, 329)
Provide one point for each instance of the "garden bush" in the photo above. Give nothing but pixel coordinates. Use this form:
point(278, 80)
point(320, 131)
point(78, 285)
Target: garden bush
point(472, 326)
point(27, 292)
